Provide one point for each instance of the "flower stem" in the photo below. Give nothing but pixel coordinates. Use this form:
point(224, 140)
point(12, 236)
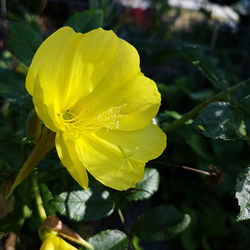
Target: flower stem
point(186, 168)
point(45, 143)
point(122, 219)
point(192, 113)
point(39, 201)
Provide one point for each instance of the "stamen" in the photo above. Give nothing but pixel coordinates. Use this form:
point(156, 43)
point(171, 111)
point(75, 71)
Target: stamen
point(110, 119)
point(86, 122)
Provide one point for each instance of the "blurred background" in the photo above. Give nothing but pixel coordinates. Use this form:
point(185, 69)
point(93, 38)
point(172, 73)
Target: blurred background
point(157, 28)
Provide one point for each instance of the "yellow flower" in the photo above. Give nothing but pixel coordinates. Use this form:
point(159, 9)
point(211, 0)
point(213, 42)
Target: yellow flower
point(54, 242)
point(89, 89)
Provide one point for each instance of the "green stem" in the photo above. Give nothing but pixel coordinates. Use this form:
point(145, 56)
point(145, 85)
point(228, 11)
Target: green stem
point(39, 201)
point(192, 113)
point(184, 167)
point(122, 219)
point(45, 143)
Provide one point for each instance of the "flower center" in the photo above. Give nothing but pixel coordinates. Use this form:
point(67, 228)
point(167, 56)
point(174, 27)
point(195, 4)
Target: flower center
point(67, 116)
point(89, 122)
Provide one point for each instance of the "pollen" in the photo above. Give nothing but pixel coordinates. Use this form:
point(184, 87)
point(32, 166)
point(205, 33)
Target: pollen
point(110, 119)
point(79, 124)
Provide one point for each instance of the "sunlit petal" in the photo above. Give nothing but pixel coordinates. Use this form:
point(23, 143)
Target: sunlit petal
point(54, 242)
point(67, 154)
point(143, 145)
point(106, 162)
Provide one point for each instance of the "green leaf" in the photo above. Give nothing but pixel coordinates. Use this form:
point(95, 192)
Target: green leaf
point(87, 205)
point(243, 195)
point(109, 240)
point(24, 41)
point(220, 121)
point(213, 74)
point(85, 21)
point(245, 105)
point(161, 223)
point(147, 187)
point(242, 91)
point(12, 86)
point(242, 97)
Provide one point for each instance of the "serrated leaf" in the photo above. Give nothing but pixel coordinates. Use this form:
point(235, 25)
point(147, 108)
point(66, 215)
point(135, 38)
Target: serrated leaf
point(145, 188)
point(220, 121)
point(85, 21)
point(109, 240)
point(12, 86)
point(24, 41)
point(160, 223)
point(243, 195)
point(194, 55)
point(87, 205)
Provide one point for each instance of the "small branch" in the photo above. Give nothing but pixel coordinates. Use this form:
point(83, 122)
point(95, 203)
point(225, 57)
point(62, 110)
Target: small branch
point(192, 113)
point(196, 170)
point(122, 219)
point(187, 168)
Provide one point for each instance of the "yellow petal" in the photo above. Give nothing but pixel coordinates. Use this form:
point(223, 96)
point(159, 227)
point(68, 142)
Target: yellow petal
point(141, 103)
point(107, 163)
point(143, 145)
point(120, 88)
point(67, 154)
point(87, 68)
point(57, 76)
point(63, 65)
point(53, 242)
point(117, 159)
point(64, 245)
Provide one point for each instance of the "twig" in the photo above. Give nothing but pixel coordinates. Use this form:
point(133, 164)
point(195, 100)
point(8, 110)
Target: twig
point(192, 113)
point(122, 219)
point(185, 167)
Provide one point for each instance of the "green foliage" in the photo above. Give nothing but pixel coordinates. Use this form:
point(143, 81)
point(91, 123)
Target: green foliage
point(242, 97)
point(161, 223)
point(220, 121)
point(145, 188)
point(218, 146)
point(213, 74)
point(109, 240)
point(24, 41)
point(243, 195)
point(12, 86)
point(88, 205)
point(86, 20)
